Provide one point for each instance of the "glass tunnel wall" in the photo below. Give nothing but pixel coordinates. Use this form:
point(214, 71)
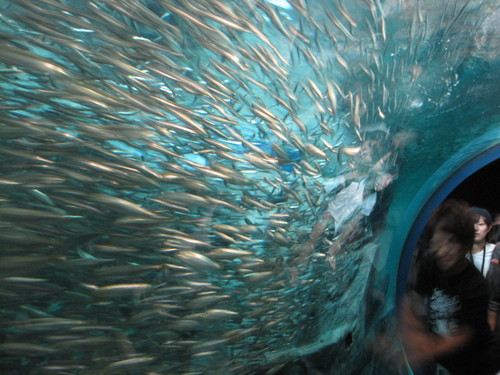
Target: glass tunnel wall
point(227, 187)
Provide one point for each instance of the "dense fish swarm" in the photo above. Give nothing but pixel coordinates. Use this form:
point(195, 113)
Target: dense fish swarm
point(185, 185)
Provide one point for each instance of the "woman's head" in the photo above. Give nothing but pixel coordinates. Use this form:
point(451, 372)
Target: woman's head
point(482, 224)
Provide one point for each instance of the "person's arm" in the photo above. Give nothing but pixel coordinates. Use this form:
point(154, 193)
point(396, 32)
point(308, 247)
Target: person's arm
point(420, 344)
point(492, 319)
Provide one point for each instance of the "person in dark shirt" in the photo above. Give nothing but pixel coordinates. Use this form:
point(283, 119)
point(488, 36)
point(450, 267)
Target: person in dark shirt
point(494, 235)
point(493, 279)
point(444, 319)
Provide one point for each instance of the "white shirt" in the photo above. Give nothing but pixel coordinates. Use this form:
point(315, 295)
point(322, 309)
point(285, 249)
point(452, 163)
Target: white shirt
point(485, 255)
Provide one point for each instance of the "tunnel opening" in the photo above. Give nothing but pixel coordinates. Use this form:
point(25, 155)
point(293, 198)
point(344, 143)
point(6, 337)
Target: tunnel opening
point(469, 183)
point(473, 182)
point(481, 188)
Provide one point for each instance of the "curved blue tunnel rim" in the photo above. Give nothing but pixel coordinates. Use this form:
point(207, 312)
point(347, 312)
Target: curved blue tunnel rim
point(437, 196)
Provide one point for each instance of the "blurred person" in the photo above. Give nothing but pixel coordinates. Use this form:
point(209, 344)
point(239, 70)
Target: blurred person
point(444, 319)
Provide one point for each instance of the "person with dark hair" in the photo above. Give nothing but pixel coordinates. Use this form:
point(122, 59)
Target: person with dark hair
point(444, 319)
point(481, 251)
point(481, 255)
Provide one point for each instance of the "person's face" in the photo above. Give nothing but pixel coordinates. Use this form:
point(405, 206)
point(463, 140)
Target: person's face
point(481, 230)
point(447, 252)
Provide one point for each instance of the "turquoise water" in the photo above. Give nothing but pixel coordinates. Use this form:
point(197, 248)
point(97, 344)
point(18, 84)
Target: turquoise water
point(227, 187)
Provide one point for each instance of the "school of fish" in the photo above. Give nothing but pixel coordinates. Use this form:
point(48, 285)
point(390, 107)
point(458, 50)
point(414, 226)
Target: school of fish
point(188, 187)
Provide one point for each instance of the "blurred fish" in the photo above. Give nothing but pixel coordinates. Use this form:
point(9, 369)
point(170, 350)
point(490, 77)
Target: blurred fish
point(198, 261)
point(121, 205)
point(228, 253)
point(130, 362)
point(214, 314)
point(20, 57)
point(118, 290)
point(25, 349)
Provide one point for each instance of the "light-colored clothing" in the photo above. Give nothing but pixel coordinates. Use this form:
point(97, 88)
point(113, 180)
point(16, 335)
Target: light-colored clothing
point(482, 259)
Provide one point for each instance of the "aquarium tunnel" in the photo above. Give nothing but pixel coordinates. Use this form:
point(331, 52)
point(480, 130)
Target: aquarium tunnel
point(229, 187)
point(439, 188)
